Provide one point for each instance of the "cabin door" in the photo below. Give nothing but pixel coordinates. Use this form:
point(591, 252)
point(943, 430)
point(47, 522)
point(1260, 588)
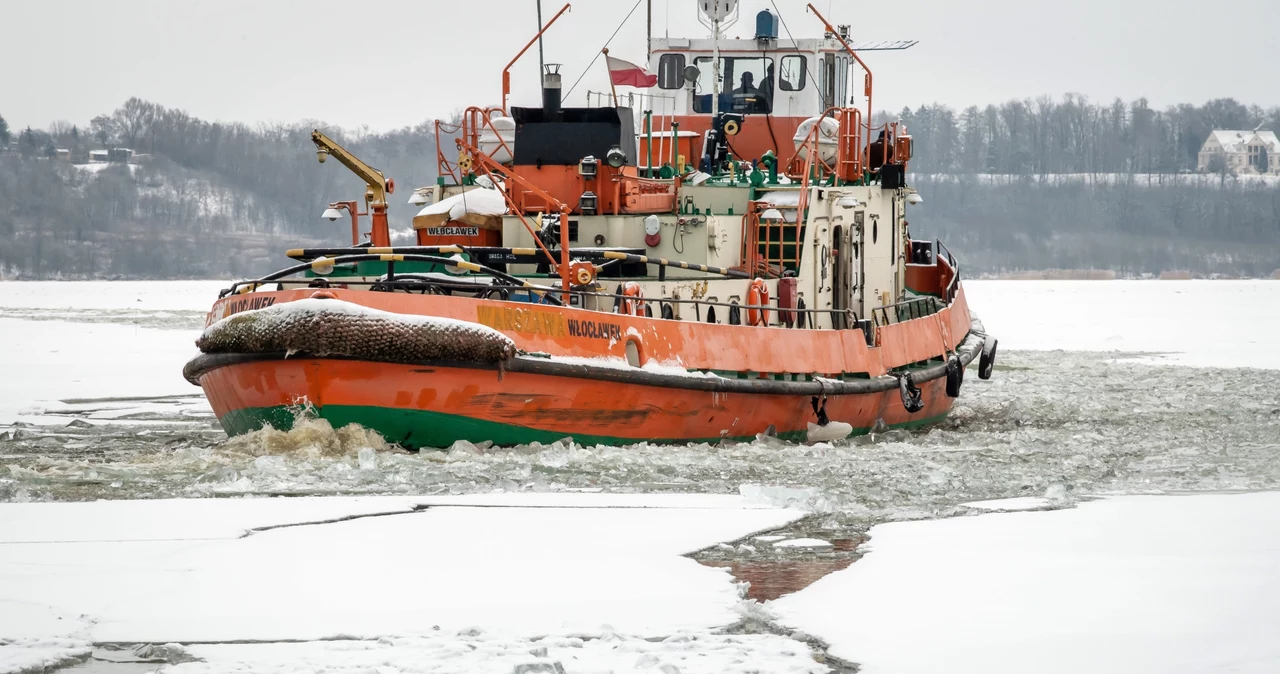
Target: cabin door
point(843, 271)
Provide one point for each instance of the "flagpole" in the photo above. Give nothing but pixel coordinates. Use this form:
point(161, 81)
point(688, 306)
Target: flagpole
point(605, 51)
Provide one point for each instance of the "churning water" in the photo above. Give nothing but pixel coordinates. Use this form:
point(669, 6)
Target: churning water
point(1055, 424)
point(1052, 424)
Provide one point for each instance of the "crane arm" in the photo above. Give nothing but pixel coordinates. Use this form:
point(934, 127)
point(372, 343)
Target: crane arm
point(379, 186)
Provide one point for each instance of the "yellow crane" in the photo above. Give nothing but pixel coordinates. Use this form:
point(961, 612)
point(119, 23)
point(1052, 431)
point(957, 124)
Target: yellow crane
point(378, 185)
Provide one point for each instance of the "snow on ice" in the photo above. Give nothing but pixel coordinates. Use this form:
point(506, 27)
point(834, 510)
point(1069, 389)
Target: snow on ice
point(221, 570)
point(1160, 318)
point(469, 651)
point(1128, 585)
point(596, 581)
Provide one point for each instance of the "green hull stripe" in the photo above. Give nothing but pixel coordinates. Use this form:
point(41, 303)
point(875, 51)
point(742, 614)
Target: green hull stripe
point(423, 428)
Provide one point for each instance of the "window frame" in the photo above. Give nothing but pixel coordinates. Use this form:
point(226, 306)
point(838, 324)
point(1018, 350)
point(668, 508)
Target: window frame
point(768, 59)
point(679, 58)
point(804, 70)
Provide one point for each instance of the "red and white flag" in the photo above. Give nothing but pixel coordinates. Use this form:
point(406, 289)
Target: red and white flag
point(627, 74)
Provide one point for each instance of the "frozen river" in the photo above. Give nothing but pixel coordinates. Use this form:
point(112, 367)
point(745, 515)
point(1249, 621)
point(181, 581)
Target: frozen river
point(1119, 389)
point(1101, 387)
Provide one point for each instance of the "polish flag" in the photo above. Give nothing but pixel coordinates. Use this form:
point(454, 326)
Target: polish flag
point(627, 74)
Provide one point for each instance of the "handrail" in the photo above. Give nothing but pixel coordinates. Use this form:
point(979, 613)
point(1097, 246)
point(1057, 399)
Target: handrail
point(955, 269)
point(384, 257)
point(278, 277)
point(473, 119)
point(910, 305)
point(442, 164)
point(478, 116)
point(489, 165)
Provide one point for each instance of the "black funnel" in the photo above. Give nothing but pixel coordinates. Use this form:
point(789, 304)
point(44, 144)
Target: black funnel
point(551, 92)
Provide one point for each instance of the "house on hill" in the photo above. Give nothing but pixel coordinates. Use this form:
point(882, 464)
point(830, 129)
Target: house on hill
point(1242, 152)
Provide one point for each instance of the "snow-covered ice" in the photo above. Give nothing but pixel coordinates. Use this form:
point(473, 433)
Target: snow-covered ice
point(803, 543)
point(1129, 585)
point(78, 339)
point(1197, 323)
point(1010, 504)
point(222, 570)
point(466, 653)
point(515, 544)
point(40, 655)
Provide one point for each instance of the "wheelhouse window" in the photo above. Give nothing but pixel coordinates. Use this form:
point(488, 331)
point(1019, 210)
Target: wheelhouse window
point(792, 73)
point(671, 71)
point(746, 84)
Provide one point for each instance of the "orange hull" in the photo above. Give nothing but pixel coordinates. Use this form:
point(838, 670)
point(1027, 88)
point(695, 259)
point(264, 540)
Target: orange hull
point(766, 379)
point(423, 406)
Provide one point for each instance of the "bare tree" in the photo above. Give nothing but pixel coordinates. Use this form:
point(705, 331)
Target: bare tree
point(134, 119)
point(103, 128)
point(60, 128)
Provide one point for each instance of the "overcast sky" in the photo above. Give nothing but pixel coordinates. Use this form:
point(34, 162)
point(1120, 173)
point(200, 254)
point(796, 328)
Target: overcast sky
point(391, 63)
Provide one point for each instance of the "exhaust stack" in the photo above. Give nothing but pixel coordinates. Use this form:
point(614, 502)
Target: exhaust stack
point(551, 92)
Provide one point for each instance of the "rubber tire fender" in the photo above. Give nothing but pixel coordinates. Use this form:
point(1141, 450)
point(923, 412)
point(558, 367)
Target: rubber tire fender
point(912, 398)
point(955, 376)
point(987, 361)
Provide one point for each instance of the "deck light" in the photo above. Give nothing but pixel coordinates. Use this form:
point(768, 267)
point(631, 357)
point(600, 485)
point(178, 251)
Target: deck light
point(615, 157)
point(772, 214)
point(331, 214)
point(915, 199)
point(419, 198)
point(851, 202)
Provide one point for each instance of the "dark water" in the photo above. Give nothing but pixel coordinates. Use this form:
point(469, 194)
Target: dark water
point(772, 572)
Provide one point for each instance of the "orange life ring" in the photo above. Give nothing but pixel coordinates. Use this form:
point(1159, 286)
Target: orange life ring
point(757, 296)
point(632, 299)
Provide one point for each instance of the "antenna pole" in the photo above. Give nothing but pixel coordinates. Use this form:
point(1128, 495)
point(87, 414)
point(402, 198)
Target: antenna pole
point(541, 65)
point(648, 34)
point(715, 61)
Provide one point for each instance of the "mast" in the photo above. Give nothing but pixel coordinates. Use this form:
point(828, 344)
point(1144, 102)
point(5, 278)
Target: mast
point(715, 62)
point(648, 34)
point(716, 14)
point(541, 64)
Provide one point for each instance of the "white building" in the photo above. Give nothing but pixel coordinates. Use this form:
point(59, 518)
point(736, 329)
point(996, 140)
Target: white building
point(1242, 152)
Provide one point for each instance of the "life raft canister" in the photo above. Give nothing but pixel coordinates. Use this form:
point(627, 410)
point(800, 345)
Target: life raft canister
point(632, 299)
point(757, 296)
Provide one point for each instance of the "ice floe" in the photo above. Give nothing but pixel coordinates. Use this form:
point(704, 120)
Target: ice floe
point(285, 569)
point(1128, 584)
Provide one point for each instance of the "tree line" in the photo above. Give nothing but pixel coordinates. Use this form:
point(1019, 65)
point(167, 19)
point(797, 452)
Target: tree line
point(207, 199)
point(1071, 184)
point(214, 199)
point(1072, 135)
